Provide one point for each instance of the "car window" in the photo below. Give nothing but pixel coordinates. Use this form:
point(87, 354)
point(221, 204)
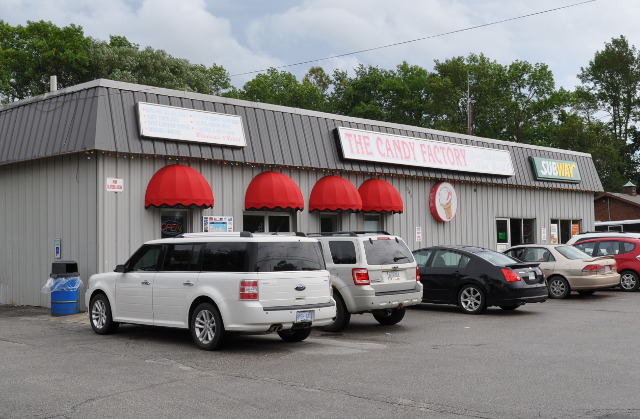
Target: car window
point(627, 247)
point(343, 252)
point(291, 256)
point(588, 248)
point(225, 257)
point(386, 251)
point(571, 252)
point(538, 254)
point(422, 256)
point(517, 253)
point(182, 257)
point(498, 259)
point(145, 258)
point(608, 247)
point(449, 259)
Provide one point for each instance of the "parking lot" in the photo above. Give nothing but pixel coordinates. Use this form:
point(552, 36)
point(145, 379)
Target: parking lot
point(573, 358)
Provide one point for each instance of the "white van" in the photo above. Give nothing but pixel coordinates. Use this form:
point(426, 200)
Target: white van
point(214, 284)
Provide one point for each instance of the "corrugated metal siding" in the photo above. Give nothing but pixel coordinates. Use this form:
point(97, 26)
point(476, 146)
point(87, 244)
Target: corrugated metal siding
point(101, 115)
point(45, 199)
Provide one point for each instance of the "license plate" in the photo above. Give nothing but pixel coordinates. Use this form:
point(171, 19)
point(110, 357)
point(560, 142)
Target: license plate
point(304, 316)
point(393, 275)
point(532, 276)
point(607, 268)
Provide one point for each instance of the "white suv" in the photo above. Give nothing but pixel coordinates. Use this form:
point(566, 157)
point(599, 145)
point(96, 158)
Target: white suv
point(576, 238)
point(372, 272)
point(217, 283)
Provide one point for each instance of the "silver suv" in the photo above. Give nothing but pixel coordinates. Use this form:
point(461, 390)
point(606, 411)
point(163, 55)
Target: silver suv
point(372, 272)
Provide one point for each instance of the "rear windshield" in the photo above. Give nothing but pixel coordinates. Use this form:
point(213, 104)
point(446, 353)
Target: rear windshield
point(290, 256)
point(573, 253)
point(496, 258)
point(386, 251)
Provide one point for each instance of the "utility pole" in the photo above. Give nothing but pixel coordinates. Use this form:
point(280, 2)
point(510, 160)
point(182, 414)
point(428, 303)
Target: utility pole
point(469, 108)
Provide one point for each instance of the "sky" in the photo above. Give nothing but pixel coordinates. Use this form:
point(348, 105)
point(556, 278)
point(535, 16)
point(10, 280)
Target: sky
point(250, 36)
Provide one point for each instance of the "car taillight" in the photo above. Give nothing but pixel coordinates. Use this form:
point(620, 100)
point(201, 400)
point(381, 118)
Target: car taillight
point(248, 290)
point(360, 276)
point(593, 268)
point(417, 273)
point(510, 275)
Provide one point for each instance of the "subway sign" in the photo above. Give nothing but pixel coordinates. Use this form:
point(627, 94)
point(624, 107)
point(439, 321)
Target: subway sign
point(555, 170)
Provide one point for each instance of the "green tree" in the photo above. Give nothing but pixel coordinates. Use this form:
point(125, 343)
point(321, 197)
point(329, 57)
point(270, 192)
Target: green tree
point(31, 54)
point(613, 78)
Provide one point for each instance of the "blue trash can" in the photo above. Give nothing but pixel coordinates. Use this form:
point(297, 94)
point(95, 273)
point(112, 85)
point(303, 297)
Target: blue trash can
point(65, 285)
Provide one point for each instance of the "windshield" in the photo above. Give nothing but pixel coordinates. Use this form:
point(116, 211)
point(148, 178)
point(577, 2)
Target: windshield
point(496, 258)
point(572, 253)
point(386, 251)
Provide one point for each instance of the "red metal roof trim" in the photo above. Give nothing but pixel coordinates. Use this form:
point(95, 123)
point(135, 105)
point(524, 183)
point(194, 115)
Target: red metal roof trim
point(273, 190)
point(380, 196)
point(178, 186)
point(333, 193)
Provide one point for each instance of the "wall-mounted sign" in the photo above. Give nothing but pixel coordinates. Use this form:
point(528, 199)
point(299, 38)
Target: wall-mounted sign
point(409, 151)
point(555, 170)
point(115, 184)
point(159, 121)
point(418, 234)
point(57, 248)
point(443, 202)
point(212, 224)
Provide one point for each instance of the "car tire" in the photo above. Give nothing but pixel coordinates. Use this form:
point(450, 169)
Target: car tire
point(471, 300)
point(558, 287)
point(294, 335)
point(206, 327)
point(511, 307)
point(100, 315)
point(586, 292)
point(389, 316)
point(629, 281)
point(343, 317)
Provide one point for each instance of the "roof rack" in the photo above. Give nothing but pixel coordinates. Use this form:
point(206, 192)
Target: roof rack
point(216, 234)
point(348, 233)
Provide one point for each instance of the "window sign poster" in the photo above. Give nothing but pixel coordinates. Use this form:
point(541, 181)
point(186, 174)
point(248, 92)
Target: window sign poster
point(575, 229)
point(212, 224)
point(554, 233)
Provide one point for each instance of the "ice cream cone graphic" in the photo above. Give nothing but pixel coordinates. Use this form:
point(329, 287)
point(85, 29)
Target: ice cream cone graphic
point(444, 199)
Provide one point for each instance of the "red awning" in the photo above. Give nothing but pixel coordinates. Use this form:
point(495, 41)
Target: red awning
point(333, 193)
point(273, 190)
point(178, 186)
point(380, 196)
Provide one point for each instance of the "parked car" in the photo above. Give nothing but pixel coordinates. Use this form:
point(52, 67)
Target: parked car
point(475, 278)
point(371, 272)
point(576, 238)
point(213, 284)
point(626, 252)
point(567, 268)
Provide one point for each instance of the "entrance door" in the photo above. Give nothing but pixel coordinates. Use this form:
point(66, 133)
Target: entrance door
point(502, 234)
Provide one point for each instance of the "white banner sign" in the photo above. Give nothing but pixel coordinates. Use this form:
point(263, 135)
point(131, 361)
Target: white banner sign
point(410, 151)
point(183, 124)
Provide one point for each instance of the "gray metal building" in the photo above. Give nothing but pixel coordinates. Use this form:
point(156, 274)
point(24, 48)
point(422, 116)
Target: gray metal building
point(79, 179)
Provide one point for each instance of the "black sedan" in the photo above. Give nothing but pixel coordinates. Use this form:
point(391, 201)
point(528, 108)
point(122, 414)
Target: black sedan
point(475, 278)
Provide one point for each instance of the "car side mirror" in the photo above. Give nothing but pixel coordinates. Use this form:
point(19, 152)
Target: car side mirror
point(119, 268)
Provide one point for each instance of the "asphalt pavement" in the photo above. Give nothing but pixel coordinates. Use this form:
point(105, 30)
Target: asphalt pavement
point(574, 358)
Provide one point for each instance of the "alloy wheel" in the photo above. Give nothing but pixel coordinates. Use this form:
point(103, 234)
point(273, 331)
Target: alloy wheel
point(99, 314)
point(205, 326)
point(471, 299)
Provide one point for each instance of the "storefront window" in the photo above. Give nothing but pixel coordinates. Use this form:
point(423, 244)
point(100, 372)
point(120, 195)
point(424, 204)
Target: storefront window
point(329, 222)
point(373, 222)
point(173, 222)
point(563, 230)
point(266, 222)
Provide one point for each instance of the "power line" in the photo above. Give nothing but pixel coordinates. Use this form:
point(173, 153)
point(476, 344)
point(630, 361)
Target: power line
point(419, 39)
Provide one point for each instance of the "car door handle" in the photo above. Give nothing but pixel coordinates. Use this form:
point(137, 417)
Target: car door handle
point(188, 283)
point(145, 282)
